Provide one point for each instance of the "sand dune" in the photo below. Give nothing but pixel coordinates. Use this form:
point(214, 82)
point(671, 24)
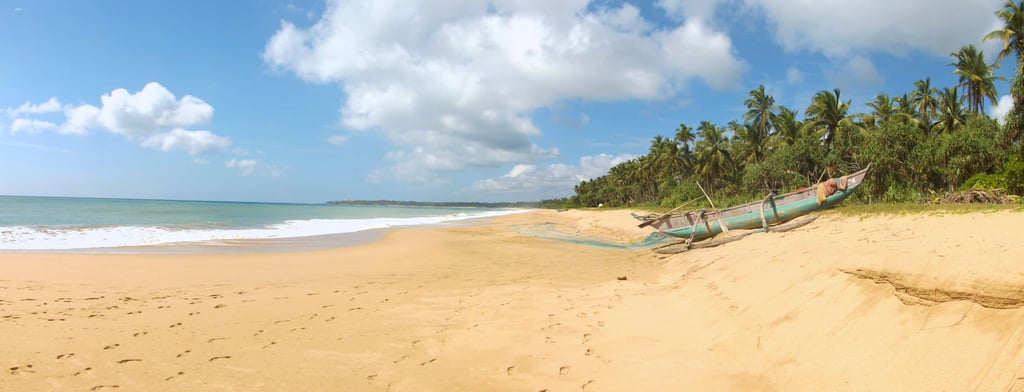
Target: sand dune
point(921, 302)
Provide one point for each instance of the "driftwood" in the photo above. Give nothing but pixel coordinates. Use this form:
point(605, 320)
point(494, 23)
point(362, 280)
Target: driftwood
point(976, 196)
point(683, 246)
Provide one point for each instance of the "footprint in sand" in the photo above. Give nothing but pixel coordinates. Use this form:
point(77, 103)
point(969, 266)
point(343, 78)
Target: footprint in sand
point(66, 356)
point(112, 346)
point(137, 334)
point(215, 339)
point(98, 387)
point(586, 338)
point(220, 357)
point(511, 370)
point(269, 345)
point(183, 353)
point(83, 371)
point(218, 306)
point(21, 369)
point(176, 375)
point(428, 362)
point(175, 325)
point(564, 370)
point(587, 384)
point(124, 361)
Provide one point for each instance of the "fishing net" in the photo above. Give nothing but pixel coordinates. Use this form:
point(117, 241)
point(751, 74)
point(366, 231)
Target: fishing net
point(573, 235)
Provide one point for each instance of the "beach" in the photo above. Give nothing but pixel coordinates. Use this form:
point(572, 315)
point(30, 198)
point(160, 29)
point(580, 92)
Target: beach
point(918, 302)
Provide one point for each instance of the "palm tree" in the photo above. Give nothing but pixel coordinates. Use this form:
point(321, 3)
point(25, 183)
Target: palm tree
point(787, 127)
point(760, 111)
point(977, 77)
point(883, 107)
point(924, 101)
point(684, 139)
point(905, 106)
point(713, 154)
point(684, 136)
point(826, 113)
point(750, 144)
point(1012, 35)
point(951, 110)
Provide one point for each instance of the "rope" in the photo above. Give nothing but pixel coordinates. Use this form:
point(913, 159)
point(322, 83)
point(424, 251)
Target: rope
point(764, 222)
point(693, 232)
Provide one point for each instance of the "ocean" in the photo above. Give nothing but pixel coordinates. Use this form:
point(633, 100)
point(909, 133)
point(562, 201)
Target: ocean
point(30, 223)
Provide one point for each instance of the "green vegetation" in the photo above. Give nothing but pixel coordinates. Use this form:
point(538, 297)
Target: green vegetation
point(922, 144)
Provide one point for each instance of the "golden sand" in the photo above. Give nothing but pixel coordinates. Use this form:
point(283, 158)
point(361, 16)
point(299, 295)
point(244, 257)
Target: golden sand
point(907, 303)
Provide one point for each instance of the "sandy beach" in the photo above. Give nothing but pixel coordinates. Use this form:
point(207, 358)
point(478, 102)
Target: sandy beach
point(927, 302)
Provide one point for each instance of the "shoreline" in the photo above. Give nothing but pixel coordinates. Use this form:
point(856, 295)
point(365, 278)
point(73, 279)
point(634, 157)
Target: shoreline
point(286, 244)
point(845, 303)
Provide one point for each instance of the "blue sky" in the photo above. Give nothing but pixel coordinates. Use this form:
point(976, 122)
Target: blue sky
point(307, 101)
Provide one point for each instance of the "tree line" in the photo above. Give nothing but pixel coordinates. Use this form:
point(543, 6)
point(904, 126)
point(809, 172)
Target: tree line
point(921, 144)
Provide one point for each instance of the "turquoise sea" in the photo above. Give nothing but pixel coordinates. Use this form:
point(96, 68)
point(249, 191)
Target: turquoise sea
point(61, 223)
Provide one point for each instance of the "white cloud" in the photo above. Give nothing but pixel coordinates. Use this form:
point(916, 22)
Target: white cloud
point(153, 116)
point(31, 125)
point(1001, 108)
point(454, 86)
point(855, 72)
point(152, 110)
point(78, 120)
point(245, 166)
point(50, 106)
point(250, 167)
point(682, 9)
point(794, 75)
point(841, 27)
point(555, 180)
point(194, 142)
point(337, 140)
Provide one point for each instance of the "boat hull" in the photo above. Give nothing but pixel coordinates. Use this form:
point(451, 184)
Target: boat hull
point(776, 209)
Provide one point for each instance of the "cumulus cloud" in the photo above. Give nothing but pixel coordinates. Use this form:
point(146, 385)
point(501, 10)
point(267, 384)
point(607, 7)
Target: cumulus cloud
point(1001, 108)
point(855, 72)
point(152, 110)
point(245, 166)
point(50, 106)
point(681, 9)
point(454, 86)
point(554, 180)
point(194, 142)
point(841, 27)
point(153, 116)
point(31, 125)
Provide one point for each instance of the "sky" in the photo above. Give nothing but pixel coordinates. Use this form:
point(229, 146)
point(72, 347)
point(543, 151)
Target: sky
point(453, 100)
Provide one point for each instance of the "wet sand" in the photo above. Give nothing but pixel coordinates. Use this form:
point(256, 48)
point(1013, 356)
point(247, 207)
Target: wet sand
point(917, 302)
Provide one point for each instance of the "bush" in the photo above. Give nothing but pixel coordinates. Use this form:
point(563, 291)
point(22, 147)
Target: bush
point(1014, 175)
point(985, 182)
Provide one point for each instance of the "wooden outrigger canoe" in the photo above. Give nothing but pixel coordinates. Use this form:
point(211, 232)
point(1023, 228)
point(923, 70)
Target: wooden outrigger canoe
point(701, 224)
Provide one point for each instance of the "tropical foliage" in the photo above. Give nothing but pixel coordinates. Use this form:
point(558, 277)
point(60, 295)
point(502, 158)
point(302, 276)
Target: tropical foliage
point(928, 141)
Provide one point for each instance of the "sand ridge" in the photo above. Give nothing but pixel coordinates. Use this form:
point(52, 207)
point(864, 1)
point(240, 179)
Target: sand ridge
point(921, 302)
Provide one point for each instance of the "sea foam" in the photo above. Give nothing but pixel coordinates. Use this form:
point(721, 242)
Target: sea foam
point(66, 238)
